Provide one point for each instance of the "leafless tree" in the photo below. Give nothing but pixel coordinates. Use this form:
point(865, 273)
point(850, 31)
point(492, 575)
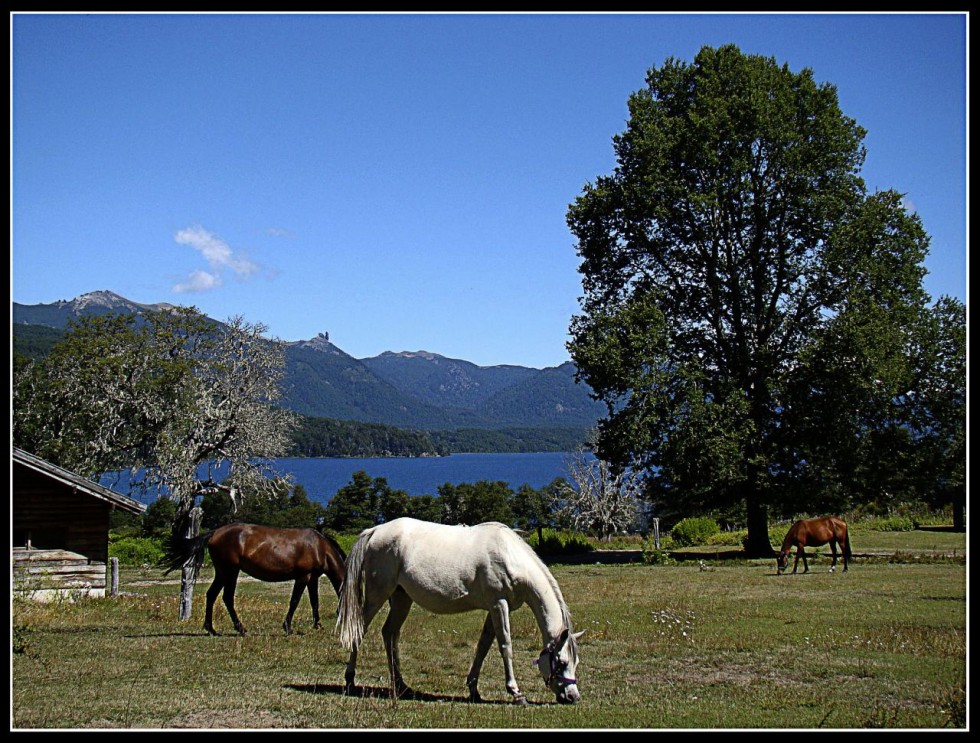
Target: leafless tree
point(599, 501)
point(171, 398)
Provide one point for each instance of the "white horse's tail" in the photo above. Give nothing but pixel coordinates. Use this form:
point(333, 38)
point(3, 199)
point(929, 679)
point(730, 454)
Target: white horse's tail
point(350, 612)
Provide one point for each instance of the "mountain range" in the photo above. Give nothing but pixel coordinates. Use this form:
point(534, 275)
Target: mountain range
point(419, 389)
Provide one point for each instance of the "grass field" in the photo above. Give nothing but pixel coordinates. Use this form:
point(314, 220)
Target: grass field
point(698, 644)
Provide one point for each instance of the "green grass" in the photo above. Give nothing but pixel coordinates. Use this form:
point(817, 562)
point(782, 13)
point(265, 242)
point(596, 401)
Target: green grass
point(719, 644)
point(921, 541)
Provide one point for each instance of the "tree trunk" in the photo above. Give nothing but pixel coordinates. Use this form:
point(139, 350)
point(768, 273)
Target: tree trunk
point(757, 544)
point(959, 514)
point(188, 574)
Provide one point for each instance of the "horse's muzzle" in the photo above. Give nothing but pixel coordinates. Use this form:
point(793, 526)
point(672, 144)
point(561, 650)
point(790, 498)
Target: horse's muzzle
point(568, 695)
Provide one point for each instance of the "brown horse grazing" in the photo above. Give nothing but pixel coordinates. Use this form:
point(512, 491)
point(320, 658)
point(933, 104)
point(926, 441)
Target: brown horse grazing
point(814, 533)
point(265, 552)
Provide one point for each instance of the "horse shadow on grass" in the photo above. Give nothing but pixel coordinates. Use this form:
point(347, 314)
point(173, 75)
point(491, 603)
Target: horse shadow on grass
point(384, 692)
point(152, 635)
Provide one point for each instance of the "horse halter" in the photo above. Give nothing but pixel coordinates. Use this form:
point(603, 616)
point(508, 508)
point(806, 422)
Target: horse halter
point(557, 666)
point(782, 561)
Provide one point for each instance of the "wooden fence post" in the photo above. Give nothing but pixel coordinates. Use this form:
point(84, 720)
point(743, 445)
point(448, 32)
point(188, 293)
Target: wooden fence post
point(655, 528)
point(113, 576)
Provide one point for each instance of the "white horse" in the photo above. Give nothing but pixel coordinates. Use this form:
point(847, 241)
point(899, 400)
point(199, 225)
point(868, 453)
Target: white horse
point(448, 570)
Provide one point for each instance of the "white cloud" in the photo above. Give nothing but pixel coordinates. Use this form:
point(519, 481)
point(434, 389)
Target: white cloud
point(218, 254)
point(198, 281)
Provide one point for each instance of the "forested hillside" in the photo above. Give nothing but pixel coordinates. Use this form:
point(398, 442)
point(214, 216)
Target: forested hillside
point(394, 404)
point(323, 437)
point(444, 382)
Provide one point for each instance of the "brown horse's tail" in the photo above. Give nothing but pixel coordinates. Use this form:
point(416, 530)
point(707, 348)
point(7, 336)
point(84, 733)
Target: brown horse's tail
point(846, 547)
point(350, 611)
point(179, 550)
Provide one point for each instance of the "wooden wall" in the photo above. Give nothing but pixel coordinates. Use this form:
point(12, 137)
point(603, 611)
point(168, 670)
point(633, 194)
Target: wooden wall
point(57, 517)
point(68, 532)
point(45, 573)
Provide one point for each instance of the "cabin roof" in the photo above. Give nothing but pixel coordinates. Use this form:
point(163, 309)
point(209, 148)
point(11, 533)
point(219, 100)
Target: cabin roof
point(76, 482)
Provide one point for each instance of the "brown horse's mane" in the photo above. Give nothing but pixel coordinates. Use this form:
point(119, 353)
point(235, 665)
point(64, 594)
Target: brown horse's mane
point(333, 542)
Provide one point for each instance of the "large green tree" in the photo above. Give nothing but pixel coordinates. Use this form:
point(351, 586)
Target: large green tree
point(915, 445)
point(740, 287)
point(939, 405)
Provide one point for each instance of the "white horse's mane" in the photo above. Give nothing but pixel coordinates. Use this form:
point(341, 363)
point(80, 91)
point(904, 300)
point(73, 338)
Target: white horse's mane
point(566, 615)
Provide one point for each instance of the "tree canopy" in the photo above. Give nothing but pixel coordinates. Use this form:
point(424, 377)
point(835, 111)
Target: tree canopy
point(171, 396)
point(749, 309)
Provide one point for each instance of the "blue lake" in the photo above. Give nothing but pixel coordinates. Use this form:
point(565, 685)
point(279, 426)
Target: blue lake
point(323, 477)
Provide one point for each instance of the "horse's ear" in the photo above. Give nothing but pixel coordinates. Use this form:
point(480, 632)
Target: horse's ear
point(578, 634)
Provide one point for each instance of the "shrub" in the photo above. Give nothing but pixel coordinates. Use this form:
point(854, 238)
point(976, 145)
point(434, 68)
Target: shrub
point(559, 543)
point(939, 517)
point(728, 538)
point(777, 534)
point(618, 542)
point(695, 531)
point(888, 523)
point(654, 556)
point(136, 551)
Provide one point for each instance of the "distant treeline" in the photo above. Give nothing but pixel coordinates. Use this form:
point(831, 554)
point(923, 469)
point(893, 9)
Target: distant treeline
point(511, 440)
point(326, 437)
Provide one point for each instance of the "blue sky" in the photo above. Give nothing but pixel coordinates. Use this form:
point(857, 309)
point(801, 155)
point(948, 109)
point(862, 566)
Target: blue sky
point(401, 181)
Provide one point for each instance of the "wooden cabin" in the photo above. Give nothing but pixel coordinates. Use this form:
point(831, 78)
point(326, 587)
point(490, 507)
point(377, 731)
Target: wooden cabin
point(60, 530)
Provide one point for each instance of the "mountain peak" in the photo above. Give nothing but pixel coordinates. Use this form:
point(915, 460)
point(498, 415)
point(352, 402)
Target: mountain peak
point(102, 296)
point(102, 302)
point(320, 343)
point(111, 300)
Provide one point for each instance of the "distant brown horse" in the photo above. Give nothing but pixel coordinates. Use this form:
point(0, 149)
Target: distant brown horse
point(268, 553)
point(814, 533)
